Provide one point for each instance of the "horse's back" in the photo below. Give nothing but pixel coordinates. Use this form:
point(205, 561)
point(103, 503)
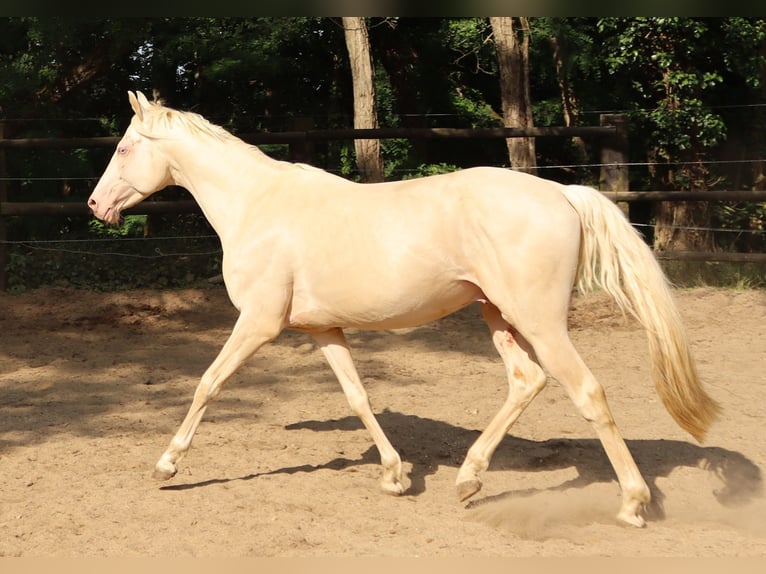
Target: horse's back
point(435, 214)
point(402, 253)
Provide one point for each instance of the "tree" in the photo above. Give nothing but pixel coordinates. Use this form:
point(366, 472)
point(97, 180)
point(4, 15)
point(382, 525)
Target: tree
point(368, 157)
point(439, 72)
point(512, 42)
point(669, 63)
point(49, 64)
point(570, 48)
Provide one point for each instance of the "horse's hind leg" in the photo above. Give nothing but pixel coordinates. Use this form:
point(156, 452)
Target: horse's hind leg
point(525, 380)
point(334, 346)
point(561, 360)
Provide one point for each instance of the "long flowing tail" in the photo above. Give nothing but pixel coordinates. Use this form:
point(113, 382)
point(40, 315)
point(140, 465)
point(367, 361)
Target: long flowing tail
point(615, 258)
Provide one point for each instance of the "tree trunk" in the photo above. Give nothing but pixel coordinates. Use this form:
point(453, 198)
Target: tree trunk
point(568, 98)
point(684, 225)
point(512, 43)
point(368, 157)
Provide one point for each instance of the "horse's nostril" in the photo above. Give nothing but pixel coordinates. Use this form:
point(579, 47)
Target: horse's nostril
point(92, 203)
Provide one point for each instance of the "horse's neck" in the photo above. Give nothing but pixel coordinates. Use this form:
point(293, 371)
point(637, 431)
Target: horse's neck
point(223, 177)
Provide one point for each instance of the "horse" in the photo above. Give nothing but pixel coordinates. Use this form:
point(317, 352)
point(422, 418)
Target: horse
point(307, 250)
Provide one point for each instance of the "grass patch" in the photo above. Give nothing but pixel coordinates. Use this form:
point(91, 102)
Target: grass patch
point(730, 275)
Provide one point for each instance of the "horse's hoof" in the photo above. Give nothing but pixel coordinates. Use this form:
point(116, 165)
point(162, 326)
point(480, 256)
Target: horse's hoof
point(631, 519)
point(392, 488)
point(164, 472)
point(467, 489)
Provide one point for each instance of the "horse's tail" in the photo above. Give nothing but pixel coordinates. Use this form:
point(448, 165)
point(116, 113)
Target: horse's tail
point(614, 257)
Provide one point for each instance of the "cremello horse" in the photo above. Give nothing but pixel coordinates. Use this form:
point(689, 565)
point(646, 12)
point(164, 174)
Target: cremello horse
point(311, 251)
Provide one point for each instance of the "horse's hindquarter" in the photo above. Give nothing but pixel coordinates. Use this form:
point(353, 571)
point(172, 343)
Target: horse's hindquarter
point(404, 253)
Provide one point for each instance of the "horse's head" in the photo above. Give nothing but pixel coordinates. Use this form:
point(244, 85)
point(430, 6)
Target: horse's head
point(137, 168)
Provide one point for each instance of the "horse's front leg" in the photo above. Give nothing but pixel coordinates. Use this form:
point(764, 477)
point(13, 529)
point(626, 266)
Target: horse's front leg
point(248, 335)
point(335, 348)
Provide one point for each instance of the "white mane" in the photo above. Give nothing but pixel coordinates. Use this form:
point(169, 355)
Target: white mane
point(161, 121)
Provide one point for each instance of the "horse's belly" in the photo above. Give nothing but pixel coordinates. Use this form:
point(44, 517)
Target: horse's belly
point(395, 309)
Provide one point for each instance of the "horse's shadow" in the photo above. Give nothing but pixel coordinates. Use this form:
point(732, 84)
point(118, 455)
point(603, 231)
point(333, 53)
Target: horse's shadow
point(428, 444)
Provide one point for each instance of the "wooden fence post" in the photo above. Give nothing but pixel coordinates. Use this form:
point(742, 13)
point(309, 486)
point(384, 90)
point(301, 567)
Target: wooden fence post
point(615, 173)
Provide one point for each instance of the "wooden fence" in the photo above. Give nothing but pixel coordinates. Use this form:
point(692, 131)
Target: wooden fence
point(613, 180)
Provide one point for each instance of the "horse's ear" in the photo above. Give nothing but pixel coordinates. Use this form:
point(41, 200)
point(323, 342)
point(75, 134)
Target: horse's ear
point(139, 103)
point(135, 105)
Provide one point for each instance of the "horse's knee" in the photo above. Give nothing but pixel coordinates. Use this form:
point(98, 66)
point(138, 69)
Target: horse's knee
point(525, 375)
point(590, 400)
point(526, 380)
point(536, 377)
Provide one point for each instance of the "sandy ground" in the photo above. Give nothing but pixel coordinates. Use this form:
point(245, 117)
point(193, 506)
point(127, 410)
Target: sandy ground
point(93, 385)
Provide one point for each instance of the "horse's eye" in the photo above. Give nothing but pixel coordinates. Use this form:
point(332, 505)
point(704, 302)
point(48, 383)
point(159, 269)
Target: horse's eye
point(122, 150)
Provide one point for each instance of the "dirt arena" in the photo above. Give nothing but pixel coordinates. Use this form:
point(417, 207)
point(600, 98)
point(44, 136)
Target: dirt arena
point(93, 386)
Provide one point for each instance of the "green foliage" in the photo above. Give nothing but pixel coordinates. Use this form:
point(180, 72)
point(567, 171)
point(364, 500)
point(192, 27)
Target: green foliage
point(132, 226)
point(668, 61)
point(744, 55)
point(684, 128)
point(424, 170)
point(114, 264)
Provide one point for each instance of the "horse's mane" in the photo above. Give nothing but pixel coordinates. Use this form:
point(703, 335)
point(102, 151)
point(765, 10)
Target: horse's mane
point(162, 121)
